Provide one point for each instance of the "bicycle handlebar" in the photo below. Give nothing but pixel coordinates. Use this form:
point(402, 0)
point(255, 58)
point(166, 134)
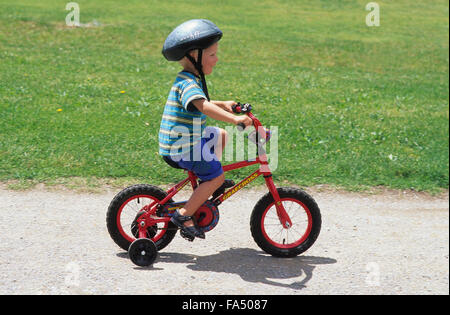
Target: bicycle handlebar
point(241, 109)
point(241, 126)
point(246, 108)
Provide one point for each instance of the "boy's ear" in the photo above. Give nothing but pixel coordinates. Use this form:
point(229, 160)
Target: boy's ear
point(194, 54)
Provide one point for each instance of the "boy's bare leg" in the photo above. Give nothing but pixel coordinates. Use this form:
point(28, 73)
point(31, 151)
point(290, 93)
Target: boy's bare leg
point(200, 195)
point(223, 138)
point(205, 190)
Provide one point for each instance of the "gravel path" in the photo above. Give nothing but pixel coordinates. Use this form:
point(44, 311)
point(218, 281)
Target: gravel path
point(56, 242)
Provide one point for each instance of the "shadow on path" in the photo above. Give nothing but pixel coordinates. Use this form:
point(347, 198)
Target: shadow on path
point(252, 266)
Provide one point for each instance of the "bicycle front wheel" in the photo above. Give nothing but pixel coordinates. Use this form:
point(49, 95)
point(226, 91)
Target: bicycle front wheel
point(269, 233)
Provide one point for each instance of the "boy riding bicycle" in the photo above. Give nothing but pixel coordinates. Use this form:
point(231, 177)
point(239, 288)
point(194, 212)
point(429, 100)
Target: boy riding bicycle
point(184, 139)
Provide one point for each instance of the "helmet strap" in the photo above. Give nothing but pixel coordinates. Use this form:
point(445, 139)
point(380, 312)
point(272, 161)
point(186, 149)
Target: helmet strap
point(198, 66)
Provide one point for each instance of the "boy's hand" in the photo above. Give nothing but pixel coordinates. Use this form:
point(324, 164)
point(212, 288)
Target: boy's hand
point(210, 109)
point(227, 105)
point(244, 119)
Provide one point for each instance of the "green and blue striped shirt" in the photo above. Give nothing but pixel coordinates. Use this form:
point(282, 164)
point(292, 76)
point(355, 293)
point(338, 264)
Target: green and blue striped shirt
point(182, 123)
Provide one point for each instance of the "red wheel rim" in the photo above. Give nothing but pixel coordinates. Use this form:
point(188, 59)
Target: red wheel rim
point(280, 237)
point(138, 206)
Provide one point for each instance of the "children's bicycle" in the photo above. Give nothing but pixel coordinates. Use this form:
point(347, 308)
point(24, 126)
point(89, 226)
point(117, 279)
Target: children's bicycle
point(285, 222)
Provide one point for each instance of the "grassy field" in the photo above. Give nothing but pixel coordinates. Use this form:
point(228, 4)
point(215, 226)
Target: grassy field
point(355, 106)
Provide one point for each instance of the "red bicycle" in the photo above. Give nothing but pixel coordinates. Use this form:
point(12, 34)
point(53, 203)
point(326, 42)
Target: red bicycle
point(285, 222)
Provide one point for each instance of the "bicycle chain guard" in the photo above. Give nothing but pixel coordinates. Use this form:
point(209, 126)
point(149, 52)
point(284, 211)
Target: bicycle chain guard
point(206, 217)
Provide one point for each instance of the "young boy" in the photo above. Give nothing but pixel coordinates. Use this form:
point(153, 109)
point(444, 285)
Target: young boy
point(184, 139)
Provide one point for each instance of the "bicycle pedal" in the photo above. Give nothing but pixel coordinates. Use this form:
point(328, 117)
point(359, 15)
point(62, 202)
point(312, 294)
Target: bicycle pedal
point(186, 236)
point(227, 184)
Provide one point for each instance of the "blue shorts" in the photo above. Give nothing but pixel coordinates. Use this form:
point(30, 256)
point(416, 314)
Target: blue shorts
point(201, 159)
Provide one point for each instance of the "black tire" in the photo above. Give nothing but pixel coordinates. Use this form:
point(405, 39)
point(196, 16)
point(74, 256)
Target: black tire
point(264, 218)
point(143, 252)
point(123, 235)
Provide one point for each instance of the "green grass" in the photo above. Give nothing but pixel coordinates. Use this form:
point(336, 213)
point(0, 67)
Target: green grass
point(355, 106)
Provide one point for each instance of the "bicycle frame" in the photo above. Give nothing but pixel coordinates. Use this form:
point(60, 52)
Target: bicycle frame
point(148, 219)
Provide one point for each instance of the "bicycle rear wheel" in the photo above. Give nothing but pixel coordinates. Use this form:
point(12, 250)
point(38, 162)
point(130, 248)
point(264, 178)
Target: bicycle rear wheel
point(127, 206)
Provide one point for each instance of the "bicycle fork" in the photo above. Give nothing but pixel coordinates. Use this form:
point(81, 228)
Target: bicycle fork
point(283, 216)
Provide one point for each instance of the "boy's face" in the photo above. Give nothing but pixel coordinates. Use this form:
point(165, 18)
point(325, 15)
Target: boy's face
point(210, 58)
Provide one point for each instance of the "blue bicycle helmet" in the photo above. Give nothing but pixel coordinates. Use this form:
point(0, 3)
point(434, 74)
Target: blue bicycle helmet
point(197, 34)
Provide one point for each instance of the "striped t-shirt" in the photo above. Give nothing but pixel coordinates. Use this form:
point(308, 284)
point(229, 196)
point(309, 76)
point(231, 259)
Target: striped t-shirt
point(182, 123)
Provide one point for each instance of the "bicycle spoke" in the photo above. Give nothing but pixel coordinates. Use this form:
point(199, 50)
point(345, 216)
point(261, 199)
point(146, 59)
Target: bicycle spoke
point(280, 235)
point(130, 210)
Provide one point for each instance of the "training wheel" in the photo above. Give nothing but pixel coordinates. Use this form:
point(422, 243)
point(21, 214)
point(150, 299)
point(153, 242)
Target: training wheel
point(143, 252)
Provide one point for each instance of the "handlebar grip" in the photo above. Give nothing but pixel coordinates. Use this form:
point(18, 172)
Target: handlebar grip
point(240, 126)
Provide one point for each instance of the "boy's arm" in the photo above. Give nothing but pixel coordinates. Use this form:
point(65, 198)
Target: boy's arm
point(212, 110)
point(225, 105)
